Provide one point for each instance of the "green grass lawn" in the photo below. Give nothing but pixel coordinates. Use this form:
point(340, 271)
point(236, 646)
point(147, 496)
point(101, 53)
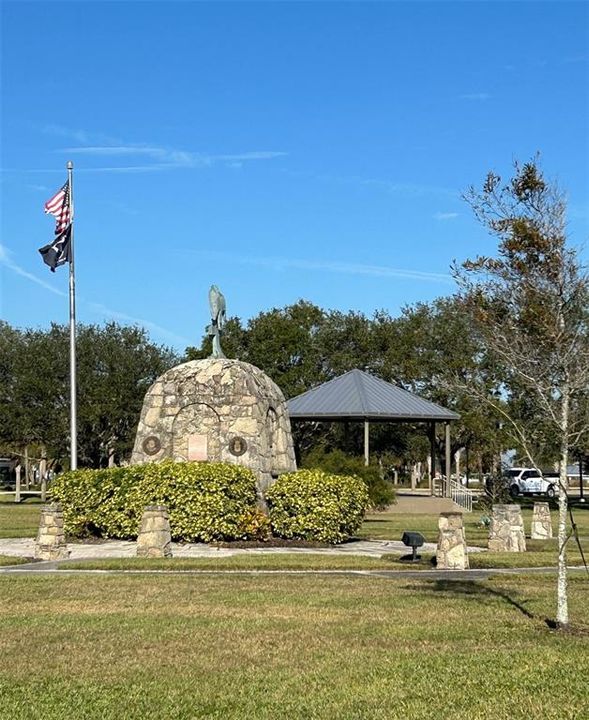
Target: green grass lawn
point(6, 560)
point(308, 647)
point(388, 525)
point(19, 519)
point(286, 561)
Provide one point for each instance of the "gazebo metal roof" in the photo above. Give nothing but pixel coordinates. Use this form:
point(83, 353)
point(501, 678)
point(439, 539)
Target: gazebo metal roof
point(357, 395)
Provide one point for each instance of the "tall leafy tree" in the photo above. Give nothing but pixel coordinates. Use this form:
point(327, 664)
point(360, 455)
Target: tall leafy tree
point(530, 307)
point(115, 366)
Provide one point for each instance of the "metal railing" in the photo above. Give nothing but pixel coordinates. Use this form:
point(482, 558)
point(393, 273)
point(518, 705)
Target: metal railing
point(461, 495)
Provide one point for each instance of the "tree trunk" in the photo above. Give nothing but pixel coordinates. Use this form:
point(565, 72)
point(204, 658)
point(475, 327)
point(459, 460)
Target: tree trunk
point(562, 605)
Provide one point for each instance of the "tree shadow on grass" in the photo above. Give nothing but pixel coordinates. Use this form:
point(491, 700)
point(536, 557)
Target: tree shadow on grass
point(472, 589)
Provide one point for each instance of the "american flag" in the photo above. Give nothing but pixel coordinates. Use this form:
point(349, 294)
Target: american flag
point(59, 207)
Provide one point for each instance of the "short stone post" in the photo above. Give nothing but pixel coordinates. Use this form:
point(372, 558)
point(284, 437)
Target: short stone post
point(506, 531)
point(50, 543)
point(541, 522)
point(155, 538)
point(451, 553)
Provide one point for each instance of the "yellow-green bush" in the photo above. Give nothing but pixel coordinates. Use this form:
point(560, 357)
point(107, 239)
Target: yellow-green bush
point(206, 501)
point(315, 505)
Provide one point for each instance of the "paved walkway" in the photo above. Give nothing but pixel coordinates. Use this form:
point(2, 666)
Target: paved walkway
point(25, 548)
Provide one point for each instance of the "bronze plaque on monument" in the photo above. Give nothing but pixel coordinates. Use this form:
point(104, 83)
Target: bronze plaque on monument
point(197, 447)
point(237, 446)
point(152, 445)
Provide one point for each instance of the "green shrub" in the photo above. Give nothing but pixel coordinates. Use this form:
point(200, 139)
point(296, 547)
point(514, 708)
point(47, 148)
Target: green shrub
point(337, 462)
point(314, 505)
point(255, 525)
point(206, 501)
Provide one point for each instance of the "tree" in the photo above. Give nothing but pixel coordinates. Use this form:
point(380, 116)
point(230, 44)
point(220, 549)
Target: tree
point(301, 345)
point(529, 306)
point(115, 365)
point(430, 349)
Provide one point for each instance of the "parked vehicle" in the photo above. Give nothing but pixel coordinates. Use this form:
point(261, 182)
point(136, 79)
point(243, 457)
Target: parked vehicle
point(530, 481)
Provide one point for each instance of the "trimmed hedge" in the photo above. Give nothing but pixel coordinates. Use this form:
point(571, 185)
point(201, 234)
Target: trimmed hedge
point(315, 505)
point(337, 462)
point(206, 501)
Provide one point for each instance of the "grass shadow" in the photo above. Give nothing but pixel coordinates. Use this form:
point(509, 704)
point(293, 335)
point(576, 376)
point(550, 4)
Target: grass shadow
point(471, 589)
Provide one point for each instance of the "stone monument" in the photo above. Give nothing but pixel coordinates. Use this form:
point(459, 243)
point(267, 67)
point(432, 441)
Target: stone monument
point(541, 522)
point(219, 410)
point(506, 531)
point(451, 553)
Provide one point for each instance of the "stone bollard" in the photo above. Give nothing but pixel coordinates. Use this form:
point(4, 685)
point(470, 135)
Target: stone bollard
point(451, 553)
point(541, 522)
point(50, 543)
point(154, 539)
point(506, 531)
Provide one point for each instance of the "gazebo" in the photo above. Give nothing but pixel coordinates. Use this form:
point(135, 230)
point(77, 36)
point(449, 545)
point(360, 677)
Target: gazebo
point(357, 396)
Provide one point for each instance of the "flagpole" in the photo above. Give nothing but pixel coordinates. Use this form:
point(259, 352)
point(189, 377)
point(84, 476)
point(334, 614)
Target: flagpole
point(72, 294)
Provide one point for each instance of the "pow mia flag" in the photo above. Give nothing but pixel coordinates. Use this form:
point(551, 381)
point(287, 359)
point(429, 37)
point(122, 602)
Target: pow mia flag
point(58, 252)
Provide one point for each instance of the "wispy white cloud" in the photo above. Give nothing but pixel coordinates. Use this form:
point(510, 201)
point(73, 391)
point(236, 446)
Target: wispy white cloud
point(101, 309)
point(165, 158)
point(84, 137)
point(98, 308)
point(7, 261)
point(475, 96)
point(100, 145)
point(445, 215)
point(282, 263)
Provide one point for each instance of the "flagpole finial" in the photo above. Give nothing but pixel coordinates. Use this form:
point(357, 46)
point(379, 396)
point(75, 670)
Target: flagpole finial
point(70, 165)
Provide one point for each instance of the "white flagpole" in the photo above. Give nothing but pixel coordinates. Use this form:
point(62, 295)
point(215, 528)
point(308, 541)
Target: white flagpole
point(72, 294)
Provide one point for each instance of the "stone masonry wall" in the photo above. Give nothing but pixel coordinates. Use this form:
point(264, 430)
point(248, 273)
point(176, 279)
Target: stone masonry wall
point(451, 553)
point(506, 532)
point(155, 537)
point(50, 543)
point(541, 522)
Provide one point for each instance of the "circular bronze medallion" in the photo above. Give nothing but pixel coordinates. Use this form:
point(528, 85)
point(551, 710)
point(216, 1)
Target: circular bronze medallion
point(237, 446)
point(152, 445)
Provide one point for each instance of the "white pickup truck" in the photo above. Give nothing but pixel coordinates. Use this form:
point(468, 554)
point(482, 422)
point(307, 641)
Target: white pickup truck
point(530, 481)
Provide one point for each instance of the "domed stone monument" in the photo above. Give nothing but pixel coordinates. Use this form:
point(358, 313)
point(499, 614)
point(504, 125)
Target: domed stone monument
point(219, 410)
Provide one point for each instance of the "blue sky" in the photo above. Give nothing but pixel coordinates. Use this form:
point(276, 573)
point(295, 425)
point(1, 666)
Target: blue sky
point(280, 150)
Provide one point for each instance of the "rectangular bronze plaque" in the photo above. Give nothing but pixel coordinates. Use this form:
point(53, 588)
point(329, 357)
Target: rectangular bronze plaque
point(197, 447)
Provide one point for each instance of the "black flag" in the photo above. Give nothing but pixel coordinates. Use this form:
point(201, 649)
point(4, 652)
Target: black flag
point(58, 252)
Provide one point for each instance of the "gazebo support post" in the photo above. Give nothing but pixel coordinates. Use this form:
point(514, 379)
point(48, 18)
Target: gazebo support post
point(432, 452)
point(366, 443)
point(448, 461)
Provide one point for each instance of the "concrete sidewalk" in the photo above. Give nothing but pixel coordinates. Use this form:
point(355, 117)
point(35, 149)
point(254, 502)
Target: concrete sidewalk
point(25, 548)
